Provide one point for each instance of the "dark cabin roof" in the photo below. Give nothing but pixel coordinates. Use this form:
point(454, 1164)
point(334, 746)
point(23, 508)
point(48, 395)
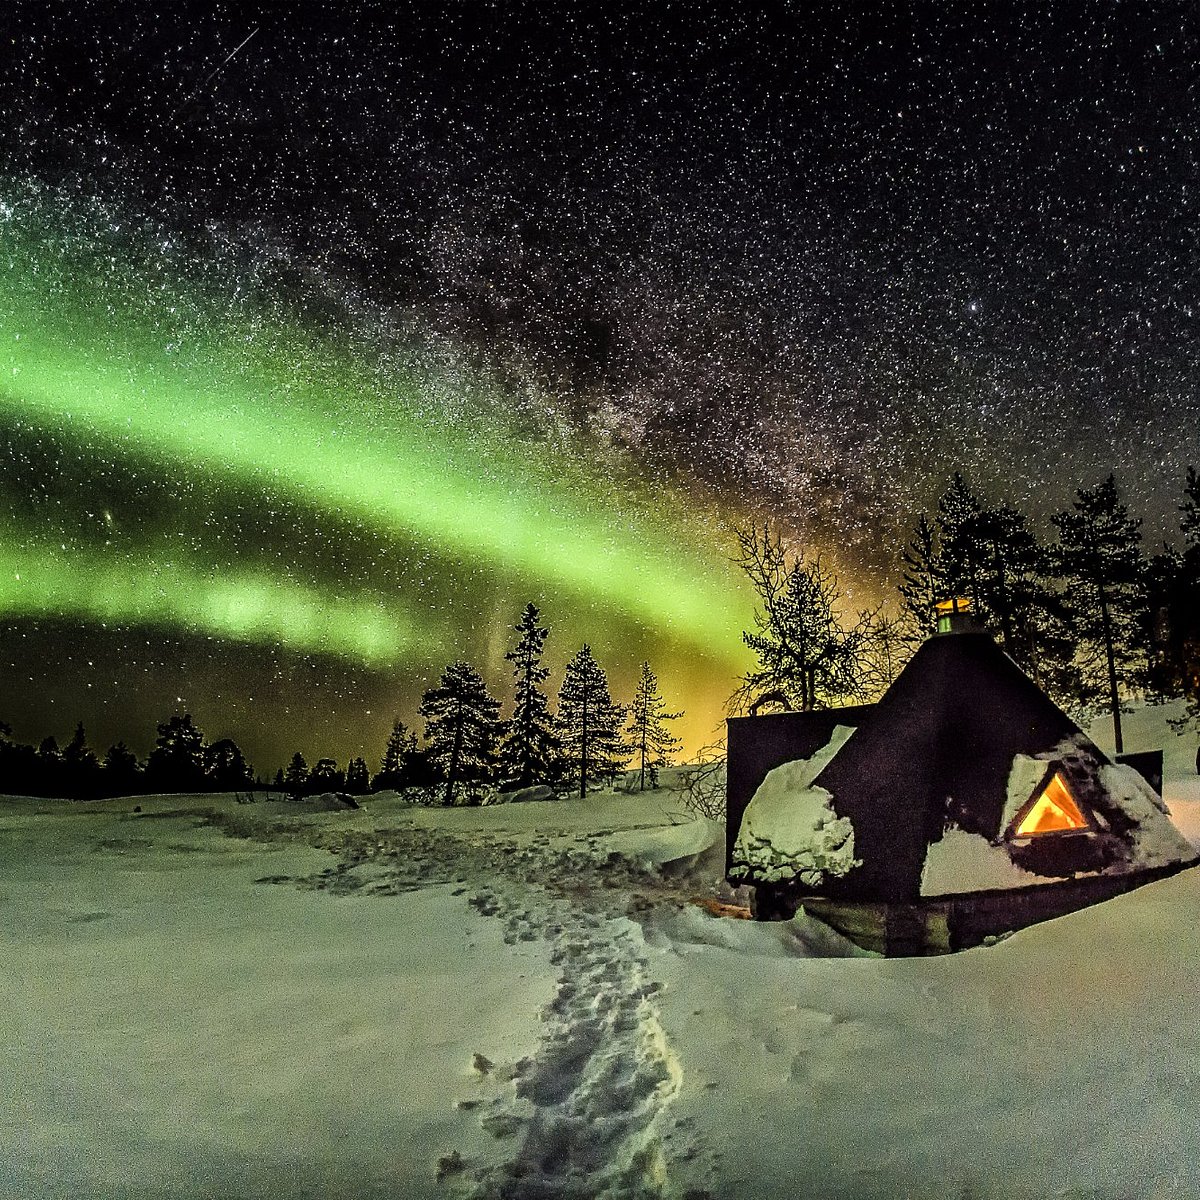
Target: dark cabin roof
point(937, 748)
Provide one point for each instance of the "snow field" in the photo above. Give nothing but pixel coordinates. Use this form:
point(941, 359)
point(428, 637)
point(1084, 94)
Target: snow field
point(173, 1029)
point(1061, 1062)
point(518, 1002)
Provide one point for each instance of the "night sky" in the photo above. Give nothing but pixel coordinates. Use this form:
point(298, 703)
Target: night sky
point(334, 333)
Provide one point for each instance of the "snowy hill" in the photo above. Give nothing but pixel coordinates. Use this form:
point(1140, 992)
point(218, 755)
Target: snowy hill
point(207, 998)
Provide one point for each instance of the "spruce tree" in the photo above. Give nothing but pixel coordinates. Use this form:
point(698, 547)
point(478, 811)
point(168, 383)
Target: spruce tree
point(225, 766)
point(326, 776)
point(989, 555)
point(1016, 597)
point(295, 778)
point(395, 768)
point(653, 745)
point(176, 762)
point(589, 723)
point(959, 513)
point(461, 727)
point(81, 768)
point(358, 779)
point(924, 583)
point(120, 773)
point(1099, 555)
point(1177, 611)
point(1189, 520)
point(529, 746)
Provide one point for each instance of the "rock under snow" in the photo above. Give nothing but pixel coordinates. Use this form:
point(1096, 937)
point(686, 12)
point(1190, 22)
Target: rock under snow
point(538, 792)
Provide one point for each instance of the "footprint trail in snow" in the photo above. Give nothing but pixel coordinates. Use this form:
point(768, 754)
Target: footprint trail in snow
point(588, 1116)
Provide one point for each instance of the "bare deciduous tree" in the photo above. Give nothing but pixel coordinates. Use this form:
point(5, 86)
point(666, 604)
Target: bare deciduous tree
point(805, 649)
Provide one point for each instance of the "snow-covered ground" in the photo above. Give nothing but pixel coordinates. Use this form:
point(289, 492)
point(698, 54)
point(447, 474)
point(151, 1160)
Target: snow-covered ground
point(212, 999)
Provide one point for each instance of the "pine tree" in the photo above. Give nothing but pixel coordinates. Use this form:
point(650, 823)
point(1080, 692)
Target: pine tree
point(1189, 520)
point(225, 767)
point(1007, 556)
point(1016, 597)
point(295, 778)
point(81, 768)
point(1099, 555)
point(120, 773)
point(358, 779)
point(589, 723)
point(395, 768)
point(652, 743)
point(326, 777)
point(990, 556)
point(461, 727)
point(924, 583)
point(77, 752)
point(959, 512)
point(1176, 631)
point(529, 746)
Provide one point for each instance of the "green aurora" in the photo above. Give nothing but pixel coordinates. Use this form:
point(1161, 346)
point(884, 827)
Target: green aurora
point(143, 367)
point(38, 579)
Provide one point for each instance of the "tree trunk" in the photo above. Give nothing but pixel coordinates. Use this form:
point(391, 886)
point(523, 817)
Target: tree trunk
point(1001, 602)
point(645, 722)
point(583, 753)
point(1110, 659)
point(452, 770)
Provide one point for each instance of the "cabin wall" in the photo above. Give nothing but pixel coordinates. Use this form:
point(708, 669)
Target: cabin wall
point(1148, 764)
point(948, 923)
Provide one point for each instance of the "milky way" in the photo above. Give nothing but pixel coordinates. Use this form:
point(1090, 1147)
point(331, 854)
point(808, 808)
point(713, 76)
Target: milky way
point(361, 324)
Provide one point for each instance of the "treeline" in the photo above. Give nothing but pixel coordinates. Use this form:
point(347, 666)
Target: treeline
point(1090, 615)
point(1087, 612)
point(181, 761)
point(465, 746)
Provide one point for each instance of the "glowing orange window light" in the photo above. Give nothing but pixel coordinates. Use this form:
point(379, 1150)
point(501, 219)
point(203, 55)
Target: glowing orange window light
point(1054, 811)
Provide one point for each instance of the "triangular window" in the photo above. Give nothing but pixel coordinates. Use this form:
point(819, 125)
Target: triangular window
point(1054, 811)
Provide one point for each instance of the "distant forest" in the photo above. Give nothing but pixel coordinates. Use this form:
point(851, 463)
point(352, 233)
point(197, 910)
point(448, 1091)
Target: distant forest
point(466, 747)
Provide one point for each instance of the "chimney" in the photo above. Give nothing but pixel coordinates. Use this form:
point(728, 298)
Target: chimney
point(954, 616)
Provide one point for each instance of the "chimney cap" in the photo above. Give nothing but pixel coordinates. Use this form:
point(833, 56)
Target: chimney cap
point(954, 615)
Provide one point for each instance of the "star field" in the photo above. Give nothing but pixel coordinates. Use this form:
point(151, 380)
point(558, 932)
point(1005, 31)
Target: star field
point(408, 313)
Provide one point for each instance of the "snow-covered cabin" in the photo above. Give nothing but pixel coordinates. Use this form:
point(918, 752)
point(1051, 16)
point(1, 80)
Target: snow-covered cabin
point(964, 804)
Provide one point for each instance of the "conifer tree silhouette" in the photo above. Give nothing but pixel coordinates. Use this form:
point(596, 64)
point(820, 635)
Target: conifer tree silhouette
point(461, 727)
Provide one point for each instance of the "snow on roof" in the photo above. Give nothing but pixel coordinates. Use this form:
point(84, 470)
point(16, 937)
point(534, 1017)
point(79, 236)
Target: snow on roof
point(966, 862)
point(1156, 841)
point(1026, 773)
point(789, 829)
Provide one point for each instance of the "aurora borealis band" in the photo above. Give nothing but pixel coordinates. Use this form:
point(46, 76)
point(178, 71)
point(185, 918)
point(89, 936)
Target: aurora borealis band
point(332, 334)
point(280, 434)
point(329, 436)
